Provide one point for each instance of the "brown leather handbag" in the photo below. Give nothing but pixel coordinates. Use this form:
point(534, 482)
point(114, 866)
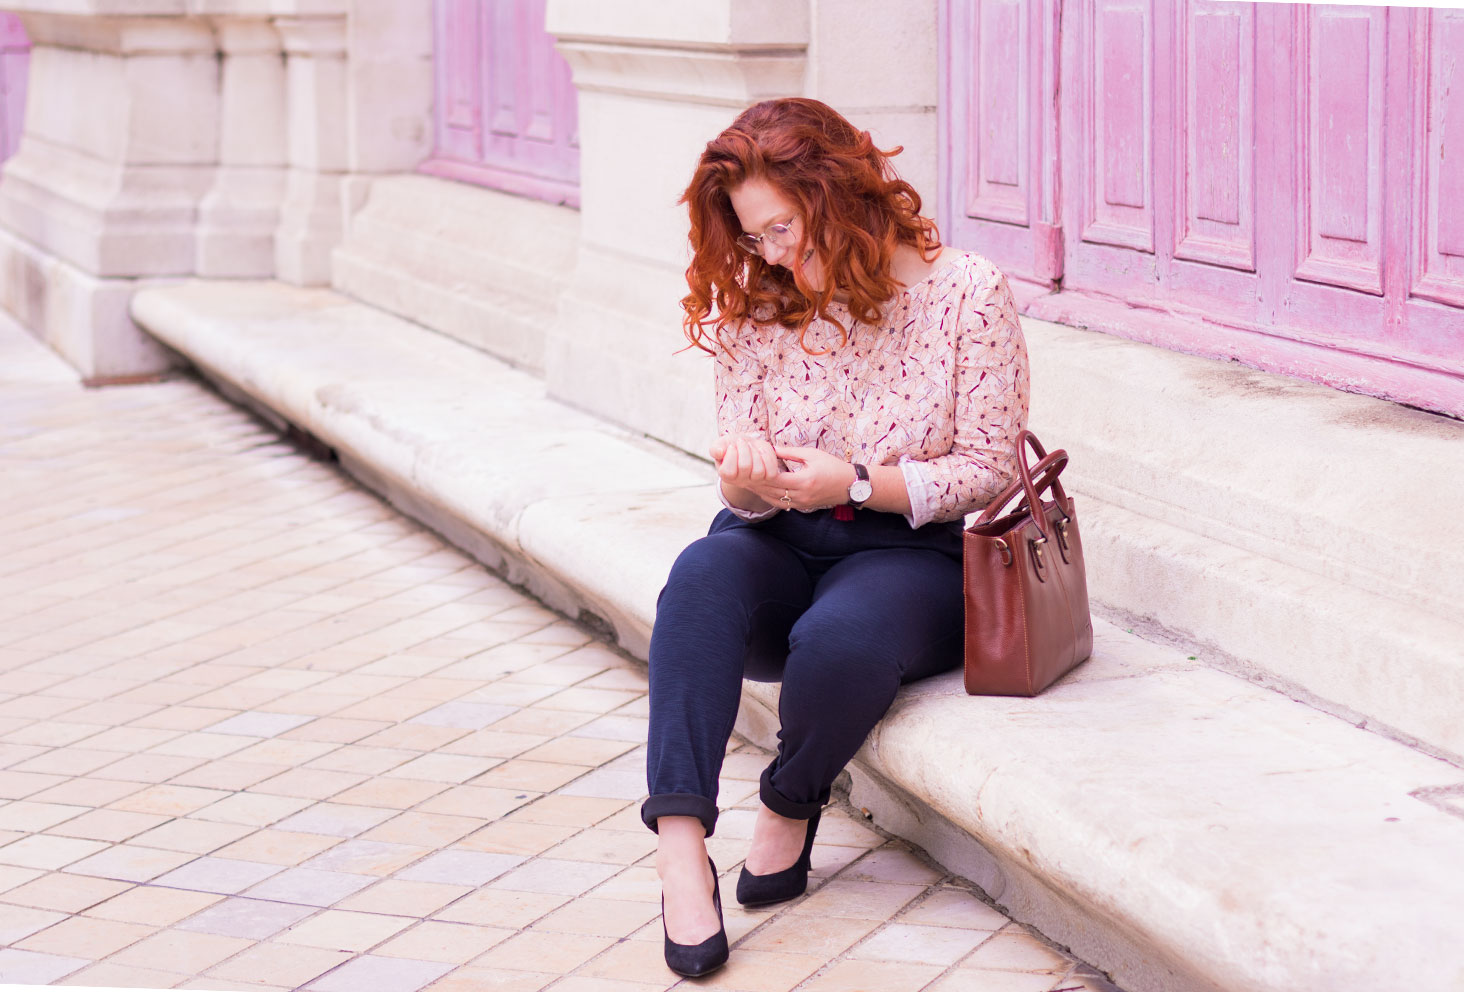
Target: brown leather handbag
point(1027, 621)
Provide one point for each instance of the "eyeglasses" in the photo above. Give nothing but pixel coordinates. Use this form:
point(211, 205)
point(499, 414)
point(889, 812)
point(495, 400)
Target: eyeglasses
point(779, 235)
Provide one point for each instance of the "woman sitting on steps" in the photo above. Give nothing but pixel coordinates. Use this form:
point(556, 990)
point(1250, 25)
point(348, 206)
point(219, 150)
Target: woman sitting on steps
point(870, 388)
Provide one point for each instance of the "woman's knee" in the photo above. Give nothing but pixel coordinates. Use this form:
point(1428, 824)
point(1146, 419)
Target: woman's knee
point(716, 560)
point(837, 659)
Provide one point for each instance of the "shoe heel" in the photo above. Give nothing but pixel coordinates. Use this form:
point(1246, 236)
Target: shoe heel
point(780, 886)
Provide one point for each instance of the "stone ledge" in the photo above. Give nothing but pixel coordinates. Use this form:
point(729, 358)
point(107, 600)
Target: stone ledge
point(1277, 523)
point(1176, 825)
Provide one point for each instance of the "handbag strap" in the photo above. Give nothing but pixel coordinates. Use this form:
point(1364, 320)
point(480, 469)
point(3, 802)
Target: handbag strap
point(1046, 471)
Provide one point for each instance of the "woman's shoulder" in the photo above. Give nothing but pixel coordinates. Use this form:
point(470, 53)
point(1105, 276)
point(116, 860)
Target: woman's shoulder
point(748, 336)
point(965, 271)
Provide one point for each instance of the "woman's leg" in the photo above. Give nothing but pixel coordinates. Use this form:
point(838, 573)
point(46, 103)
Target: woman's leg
point(733, 593)
point(879, 618)
point(686, 880)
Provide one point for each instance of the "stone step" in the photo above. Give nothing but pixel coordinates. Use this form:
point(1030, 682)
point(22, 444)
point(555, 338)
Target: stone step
point(1180, 826)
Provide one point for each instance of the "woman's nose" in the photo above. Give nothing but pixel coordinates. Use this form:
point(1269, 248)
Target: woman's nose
point(773, 254)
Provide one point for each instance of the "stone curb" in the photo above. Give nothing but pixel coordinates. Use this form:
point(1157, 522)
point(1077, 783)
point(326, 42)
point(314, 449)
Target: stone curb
point(1176, 825)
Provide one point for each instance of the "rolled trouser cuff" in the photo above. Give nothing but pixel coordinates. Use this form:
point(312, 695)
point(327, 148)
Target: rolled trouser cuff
point(680, 804)
point(781, 804)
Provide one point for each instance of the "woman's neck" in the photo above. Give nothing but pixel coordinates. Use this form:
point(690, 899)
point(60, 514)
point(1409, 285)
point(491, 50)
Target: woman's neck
point(909, 267)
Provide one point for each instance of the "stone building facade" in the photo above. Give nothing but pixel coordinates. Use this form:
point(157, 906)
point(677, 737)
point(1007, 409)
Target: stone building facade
point(1236, 231)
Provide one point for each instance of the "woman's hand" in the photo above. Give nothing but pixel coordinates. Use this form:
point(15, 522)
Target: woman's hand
point(746, 464)
point(815, 479)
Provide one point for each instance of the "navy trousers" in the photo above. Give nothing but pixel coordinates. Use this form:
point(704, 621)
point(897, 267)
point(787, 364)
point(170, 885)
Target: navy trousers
point(842, 612)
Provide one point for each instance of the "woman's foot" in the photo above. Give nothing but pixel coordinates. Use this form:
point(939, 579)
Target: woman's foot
point(686, 882)
point(774, 875)
point(777, 842)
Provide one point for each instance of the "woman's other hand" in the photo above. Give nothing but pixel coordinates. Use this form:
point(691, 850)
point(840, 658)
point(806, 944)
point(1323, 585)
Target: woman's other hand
point(746, 464)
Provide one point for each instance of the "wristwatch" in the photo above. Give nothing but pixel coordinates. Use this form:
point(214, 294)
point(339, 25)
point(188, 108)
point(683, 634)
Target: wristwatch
point(860, 490)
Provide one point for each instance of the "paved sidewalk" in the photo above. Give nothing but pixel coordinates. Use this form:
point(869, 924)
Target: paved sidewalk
point(259, 731)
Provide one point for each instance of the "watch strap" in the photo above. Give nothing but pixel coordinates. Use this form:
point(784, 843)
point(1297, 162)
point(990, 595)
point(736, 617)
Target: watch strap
point(861, 474)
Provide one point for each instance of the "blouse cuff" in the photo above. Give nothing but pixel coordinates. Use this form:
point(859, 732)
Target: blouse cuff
point(737, 511)
point(918, 486)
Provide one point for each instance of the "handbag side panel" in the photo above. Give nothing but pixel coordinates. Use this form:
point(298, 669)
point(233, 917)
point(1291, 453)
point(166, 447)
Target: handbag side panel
point(998, 657)
point(1061, 624)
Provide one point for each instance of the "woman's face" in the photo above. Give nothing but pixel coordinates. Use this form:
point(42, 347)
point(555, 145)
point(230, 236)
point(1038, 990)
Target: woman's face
point(759, 206)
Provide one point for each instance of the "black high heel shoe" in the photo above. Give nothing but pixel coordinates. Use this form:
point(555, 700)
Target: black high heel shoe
point(696, 960)
point(780, 886)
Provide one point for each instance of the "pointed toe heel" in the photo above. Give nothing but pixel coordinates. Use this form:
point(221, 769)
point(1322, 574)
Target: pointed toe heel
point(780, 886)
point(696, 960)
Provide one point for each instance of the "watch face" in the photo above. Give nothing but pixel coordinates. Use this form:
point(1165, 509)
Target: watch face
point(860, 491)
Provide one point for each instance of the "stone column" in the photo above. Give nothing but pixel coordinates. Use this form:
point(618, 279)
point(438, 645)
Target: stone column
point(311, 215)
point(238, 216)
point(656, 80)
point(877, 63)
point(389, 86)
point(118, 149)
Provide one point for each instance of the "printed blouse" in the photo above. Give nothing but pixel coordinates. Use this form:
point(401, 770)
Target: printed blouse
point(938, 386)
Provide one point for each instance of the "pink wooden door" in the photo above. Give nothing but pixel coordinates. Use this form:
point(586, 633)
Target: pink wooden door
point(998, 143)
point(14, 63)
point(1274, 183)
point(506, 106)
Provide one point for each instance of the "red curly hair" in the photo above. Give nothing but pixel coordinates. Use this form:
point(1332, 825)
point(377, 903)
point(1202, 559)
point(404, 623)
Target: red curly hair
point(855, 211)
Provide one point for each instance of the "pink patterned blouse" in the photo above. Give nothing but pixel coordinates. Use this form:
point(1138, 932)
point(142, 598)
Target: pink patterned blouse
point(939, 386)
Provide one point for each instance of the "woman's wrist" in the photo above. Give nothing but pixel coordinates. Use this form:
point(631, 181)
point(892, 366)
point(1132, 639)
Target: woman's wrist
point(890, 494)
point(743, 499)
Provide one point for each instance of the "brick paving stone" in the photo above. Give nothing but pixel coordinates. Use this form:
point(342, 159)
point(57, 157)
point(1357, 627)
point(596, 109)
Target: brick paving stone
point(433, 940)
point(40, 851)
point(84, 936)
point(465, 867)
point(155, 905)
point(19, 967)
point(335, 819)
point(381, 974)
point(311, 887)
point(109, 975)
point(256, 919)
point(339, 929)
point(257, 731)
point(65, 892)
point(19, 922)
point(222, 875)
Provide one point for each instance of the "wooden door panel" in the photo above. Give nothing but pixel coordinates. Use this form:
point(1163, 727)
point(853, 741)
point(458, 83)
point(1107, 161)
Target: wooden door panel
point(14, 68)
point(997, 120)
point(1439, 189)
point(1118, 206)
point(1277, 183)
point(507, 108)
point(1340, 70)
point(1215, 195)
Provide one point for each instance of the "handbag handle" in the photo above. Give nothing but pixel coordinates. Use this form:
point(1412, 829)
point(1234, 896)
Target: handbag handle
point(1047, 470)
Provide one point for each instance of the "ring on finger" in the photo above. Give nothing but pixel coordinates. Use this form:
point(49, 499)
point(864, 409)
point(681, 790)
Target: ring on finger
point(786, 500)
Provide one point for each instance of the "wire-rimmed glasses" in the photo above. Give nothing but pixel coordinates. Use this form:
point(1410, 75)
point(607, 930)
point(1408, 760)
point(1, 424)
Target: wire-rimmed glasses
point(779, 235)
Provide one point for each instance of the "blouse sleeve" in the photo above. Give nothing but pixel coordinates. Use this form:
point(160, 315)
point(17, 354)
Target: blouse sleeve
point(741, 404)
point(991, 386)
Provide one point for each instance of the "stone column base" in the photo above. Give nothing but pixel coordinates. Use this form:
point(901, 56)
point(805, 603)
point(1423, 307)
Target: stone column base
point(82, 317)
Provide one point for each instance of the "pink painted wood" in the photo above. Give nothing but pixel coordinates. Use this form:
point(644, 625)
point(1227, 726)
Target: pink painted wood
point(14, 67)
point(506, 109)
point(998, 130)
point(1273, 183)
